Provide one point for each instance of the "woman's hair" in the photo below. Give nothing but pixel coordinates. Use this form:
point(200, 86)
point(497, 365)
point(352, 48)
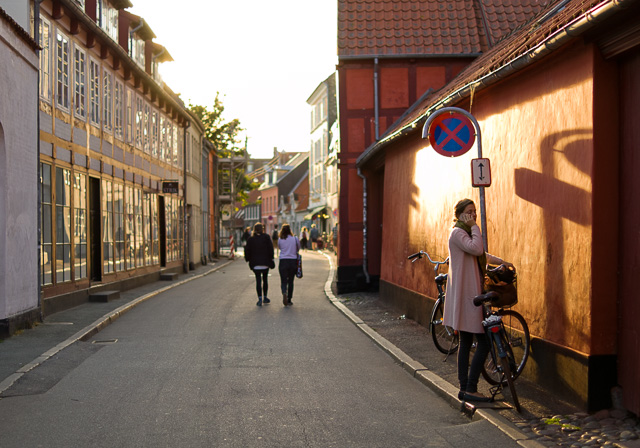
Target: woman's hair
point(460, 206)
point(285, 231)
point(257, 228)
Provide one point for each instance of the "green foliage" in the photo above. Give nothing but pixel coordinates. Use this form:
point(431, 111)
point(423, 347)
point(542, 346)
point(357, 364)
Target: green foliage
point(225, 135)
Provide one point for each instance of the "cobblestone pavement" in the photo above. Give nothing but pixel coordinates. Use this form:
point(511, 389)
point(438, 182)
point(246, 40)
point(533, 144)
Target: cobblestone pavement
point(550, 421)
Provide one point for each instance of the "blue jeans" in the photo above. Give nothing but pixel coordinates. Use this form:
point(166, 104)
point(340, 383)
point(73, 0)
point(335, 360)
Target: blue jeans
point(469, 377)
point(262, 281)
point(287, 268)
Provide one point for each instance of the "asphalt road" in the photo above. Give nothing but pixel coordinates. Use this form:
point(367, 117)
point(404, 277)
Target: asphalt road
point(201, 365)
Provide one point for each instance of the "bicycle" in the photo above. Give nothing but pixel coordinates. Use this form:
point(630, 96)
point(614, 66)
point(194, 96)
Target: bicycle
point(444, 338)
point(509, 343)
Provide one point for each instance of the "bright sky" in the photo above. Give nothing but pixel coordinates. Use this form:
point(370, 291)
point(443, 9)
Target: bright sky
point(264, 57)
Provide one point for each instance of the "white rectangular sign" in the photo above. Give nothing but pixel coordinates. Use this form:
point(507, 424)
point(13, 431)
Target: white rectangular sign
point(480, 173)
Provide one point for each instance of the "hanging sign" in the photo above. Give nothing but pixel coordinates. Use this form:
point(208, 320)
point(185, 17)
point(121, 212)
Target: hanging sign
point(480, 173)
point(451, 134)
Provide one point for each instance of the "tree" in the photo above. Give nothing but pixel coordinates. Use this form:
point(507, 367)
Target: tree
point(228, 143)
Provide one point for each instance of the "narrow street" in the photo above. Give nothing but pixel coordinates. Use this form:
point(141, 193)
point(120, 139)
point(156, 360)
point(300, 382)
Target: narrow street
point(202, 365)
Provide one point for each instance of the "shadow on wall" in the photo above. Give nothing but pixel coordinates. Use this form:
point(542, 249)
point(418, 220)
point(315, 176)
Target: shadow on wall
point(559, 201)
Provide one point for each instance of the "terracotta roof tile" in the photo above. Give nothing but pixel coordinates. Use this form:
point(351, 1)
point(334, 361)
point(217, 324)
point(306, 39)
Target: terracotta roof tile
point(414, 27)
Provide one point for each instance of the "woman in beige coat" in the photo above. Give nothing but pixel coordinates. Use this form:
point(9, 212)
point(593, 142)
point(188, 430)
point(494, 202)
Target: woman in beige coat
point(467, 262)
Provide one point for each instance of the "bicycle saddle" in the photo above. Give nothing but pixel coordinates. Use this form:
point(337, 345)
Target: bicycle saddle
point(441, 279)
point(488, 297)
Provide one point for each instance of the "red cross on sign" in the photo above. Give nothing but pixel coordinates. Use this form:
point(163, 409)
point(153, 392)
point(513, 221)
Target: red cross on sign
point(451, 134)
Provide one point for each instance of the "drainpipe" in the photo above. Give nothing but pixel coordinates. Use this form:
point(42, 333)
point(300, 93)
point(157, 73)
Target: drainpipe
point(132, 32)
point(365, 267)
point(185, 236)
point(36, 34)
point(376, 99)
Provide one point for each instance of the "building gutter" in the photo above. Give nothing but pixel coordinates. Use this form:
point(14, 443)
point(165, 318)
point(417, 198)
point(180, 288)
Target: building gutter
point(36, 34)
point(365, 264)
point(408, 56)
point(553, 42)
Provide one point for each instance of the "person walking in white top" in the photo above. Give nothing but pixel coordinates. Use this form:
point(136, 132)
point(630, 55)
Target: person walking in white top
point(289, 246)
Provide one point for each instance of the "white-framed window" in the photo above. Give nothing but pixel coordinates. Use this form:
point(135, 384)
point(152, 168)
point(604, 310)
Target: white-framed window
point(136, 49)
point(107, 18)
point(94, 92)
point(139, 120)
point(62, 70)
point(155, 133)
point(176, 161)
point(163, 137)
point(145, 128)
point(45, 59)
point(130, 113)
point(80, 83)
point(118, 110)
point(107, 101)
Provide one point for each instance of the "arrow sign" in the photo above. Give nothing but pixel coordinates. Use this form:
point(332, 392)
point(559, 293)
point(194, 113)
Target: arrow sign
point(480, 173)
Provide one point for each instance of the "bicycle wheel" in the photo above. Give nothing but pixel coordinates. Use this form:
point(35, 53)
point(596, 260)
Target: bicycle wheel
point(518, 345)
point(510, 381)
point(444, 337)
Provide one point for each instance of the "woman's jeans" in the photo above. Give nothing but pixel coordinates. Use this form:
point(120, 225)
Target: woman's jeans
point(262, 281)
point(287, 268)
point(469, 377)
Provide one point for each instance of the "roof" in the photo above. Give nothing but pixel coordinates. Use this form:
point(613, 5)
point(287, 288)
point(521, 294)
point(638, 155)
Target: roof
point(549, 30)
point(21, 32)
point(419, 28)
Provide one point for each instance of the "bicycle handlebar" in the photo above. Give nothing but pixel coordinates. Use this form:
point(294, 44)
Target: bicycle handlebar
point(418, 255)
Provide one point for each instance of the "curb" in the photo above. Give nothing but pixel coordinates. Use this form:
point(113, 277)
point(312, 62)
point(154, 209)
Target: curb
point(91, 329)
point(444, 389)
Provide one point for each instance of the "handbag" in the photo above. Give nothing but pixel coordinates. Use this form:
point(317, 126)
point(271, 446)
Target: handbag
point(299, 270)
point(272, 264)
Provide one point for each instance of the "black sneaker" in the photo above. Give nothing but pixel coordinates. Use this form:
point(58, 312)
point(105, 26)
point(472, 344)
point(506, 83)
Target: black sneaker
point(259, 302)
point(265, 300)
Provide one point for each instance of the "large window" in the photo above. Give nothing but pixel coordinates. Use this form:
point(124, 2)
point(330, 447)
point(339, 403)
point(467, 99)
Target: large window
point(139, 120)
point(146, 227)
point(63, 225)
point(155, 235)
point(154, 133)
point(118, 223)
point(130, 113)
point(94, 92)
point(80, 225)
point(107, 226)
point(108, 18)
point(80, 83)
point(163, 137)
point(45, 59)
point(118, 111)
point(47, 235)
point(129, 225)
point(62, 70)
point(139, 227)
point(145, 128)
point(107, 101)
point(174, 225)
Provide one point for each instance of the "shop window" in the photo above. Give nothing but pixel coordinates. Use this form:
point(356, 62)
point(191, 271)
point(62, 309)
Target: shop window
point(80, 225)
point(107, 227)
point(118, 225)
point(46, 257)
point(63, 225)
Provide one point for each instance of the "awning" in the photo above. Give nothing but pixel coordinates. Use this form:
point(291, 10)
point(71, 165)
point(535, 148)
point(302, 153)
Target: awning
point(315, 211)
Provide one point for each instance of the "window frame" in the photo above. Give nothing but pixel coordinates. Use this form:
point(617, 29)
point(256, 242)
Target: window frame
point(80, 85)
point(45, 85)
point(63, 70)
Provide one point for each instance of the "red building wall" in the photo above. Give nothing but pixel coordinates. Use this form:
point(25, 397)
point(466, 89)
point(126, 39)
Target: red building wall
point(551, 208)
point(400, 83)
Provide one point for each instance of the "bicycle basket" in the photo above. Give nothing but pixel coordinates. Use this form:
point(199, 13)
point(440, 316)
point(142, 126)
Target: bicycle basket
point(508, 295)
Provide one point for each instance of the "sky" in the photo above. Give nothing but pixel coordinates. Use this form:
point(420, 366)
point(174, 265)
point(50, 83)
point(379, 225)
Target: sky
point(264, 57)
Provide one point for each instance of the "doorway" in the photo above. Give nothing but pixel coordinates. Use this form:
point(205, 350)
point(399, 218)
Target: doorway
point(162, 224)
point(95, 236)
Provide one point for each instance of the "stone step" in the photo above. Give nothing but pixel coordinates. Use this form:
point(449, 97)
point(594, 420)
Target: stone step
point(104, 296)
point(169, 276)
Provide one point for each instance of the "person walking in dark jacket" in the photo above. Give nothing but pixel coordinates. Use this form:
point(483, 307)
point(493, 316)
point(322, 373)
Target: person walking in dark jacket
point(259, 253)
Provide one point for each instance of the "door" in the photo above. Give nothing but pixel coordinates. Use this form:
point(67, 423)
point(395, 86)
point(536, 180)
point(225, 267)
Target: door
point(95, 236)
point(162, 224)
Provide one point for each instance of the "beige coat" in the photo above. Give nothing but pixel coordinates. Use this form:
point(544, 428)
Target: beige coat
point(464, 282)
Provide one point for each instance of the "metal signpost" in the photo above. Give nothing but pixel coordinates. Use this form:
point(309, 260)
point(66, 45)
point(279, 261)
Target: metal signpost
point(452, 132)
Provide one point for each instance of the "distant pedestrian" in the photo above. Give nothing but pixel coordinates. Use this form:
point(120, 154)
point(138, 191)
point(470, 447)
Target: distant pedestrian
point(314, 237)
point(304, 237)
point(275, 236)
point(288, 265)
point(259, 253)
point(246, 235)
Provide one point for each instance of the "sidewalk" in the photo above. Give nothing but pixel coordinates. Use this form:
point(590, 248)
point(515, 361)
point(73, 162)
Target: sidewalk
point(406, 341)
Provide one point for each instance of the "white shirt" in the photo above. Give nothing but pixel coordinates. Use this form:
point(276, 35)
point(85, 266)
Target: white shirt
point(289, 247)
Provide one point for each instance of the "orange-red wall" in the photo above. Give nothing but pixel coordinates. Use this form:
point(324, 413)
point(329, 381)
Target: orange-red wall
point(538, 132)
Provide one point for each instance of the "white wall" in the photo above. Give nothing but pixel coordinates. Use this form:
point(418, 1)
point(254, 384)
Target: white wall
point(18, 174)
